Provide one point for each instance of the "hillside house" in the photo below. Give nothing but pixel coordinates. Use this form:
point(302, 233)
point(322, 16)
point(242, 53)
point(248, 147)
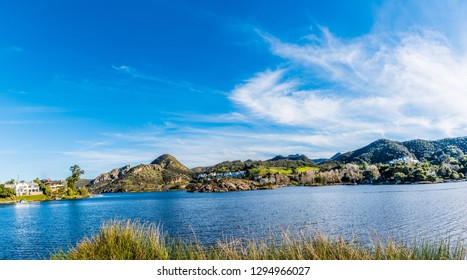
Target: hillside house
point(406, 159)
point(239, 174)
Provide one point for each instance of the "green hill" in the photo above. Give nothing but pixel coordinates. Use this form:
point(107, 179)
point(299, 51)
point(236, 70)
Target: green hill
point(164, 173)
point(383, 150)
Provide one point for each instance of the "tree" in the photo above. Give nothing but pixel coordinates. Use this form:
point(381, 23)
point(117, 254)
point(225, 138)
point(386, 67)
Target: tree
point(6, 192)
point(76, 172)
point(371, 174)
point(42, 186)
point(399, 177)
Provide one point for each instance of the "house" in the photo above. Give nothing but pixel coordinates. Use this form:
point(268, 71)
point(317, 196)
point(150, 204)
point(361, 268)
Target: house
point(406, 159)
point(53, 185)
point(25, 188)
point(239, 174)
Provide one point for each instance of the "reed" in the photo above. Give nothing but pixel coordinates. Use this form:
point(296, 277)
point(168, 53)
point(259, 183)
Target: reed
point(132, 240)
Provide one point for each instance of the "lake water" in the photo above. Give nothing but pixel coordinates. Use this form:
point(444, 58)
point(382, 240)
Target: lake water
point(405, 212)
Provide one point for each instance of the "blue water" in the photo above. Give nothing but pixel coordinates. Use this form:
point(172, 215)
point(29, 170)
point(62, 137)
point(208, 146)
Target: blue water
point(407, 212)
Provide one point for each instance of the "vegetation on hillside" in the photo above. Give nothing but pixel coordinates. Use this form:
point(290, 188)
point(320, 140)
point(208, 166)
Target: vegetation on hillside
point(380, 162)
point(164, 173)
point(384, 150)
point(380, 151)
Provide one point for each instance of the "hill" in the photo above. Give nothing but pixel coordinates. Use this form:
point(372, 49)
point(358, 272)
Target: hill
point(291, 157)
point(383, 150)
point(164, 173)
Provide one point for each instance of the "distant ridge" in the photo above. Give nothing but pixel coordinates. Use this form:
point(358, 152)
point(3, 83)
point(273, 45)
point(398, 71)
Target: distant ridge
point(384, 150)
point(291, 157)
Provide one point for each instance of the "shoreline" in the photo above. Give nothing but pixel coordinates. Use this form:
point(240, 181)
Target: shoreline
point(259, 188)
point(273, 187)
point(16, 201)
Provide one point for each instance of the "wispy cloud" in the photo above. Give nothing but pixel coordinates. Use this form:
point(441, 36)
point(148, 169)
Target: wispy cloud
point(227, 118)
point(12, 49)
point(100, 161)
point(141, 76)
point(402, 85)
point(123, 68)
point(20, 122)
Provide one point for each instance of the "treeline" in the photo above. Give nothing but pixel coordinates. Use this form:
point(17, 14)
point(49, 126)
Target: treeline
point(380, 173)
point(333, 172)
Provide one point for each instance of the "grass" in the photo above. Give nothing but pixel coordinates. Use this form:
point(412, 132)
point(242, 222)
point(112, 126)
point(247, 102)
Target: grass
point(270, 170)
point(127, 240)
point(38, 197)
point(306, 168)
point(7, 200)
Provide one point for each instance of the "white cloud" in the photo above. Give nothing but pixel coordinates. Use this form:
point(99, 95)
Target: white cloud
point(12, 49)
point(123, 68)
point(403, 85)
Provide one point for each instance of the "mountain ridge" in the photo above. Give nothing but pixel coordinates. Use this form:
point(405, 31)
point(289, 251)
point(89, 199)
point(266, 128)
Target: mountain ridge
point(425, 160)
point(385, 150)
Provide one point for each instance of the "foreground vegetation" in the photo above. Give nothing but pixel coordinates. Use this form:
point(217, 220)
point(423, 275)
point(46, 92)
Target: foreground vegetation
point(129, 240)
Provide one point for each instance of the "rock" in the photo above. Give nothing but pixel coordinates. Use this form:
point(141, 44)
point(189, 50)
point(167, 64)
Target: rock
point(223, 185)
point(110, 176)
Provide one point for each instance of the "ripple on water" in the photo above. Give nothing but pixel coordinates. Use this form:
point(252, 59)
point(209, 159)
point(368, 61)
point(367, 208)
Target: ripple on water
point(406, 213)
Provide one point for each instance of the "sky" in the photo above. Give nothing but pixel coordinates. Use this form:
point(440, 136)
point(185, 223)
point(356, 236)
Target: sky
point(103, 83)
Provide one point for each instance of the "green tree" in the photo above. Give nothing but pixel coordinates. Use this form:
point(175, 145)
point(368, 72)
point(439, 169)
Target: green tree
point(82, 191)
point(42, 187)
point(399, 177)
point(6, 192)
point(76, 172)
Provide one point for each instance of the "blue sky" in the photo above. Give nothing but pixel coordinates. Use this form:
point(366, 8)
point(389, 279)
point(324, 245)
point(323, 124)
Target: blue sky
point(103, 83)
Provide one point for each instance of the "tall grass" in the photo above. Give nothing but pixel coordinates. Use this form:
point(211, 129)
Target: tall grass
point(129, 240)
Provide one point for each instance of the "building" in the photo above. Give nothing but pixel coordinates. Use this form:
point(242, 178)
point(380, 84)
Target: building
point(25, 188)
point(53, 185)
point(406, 159)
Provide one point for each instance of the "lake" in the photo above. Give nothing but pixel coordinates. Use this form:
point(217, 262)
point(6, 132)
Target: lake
point(404, 212)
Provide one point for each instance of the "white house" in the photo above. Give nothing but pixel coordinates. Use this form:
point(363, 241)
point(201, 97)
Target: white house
point(25, 188)
point(406, 159)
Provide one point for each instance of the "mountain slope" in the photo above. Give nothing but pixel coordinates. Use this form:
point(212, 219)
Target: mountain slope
point(164, 173)
point(383, 150)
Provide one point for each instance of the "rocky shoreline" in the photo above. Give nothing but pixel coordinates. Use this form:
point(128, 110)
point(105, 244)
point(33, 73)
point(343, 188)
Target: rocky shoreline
point(229, 185)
